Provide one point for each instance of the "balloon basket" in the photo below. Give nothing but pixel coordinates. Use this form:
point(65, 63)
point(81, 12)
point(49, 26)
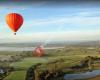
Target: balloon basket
point(14, 33)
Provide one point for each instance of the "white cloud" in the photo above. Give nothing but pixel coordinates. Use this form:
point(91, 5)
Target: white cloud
point(81, 18)
point(77, 20)
point(51, 36)
point(92, 12)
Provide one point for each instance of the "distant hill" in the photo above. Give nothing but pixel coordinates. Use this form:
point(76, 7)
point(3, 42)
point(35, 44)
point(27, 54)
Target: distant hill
point(54, 44)
point(89, 43)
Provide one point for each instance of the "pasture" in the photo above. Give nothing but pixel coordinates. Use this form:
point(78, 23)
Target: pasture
point(71, 56)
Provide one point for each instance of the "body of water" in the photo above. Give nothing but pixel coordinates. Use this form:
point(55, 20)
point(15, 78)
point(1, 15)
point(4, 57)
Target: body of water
point(82, 75)
point(24, 48)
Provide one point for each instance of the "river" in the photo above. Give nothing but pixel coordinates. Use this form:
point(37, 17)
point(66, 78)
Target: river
point(79, 76)
point(25, 48)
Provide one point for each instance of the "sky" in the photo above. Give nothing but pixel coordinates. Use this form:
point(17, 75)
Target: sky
point(52, 21)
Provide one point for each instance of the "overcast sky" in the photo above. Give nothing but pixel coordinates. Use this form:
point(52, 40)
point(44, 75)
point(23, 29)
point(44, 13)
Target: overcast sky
point(52, 22)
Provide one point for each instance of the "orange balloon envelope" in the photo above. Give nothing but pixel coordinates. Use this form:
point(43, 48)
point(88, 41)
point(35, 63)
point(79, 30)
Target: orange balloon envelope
point(39, 51)
point(14, 21)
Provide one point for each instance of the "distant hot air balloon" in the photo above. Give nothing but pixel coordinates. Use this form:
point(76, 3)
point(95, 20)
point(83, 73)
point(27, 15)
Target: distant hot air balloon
point(14, 21)
point(39, 51)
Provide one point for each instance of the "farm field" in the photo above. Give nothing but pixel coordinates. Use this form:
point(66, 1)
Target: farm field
point(71, 56)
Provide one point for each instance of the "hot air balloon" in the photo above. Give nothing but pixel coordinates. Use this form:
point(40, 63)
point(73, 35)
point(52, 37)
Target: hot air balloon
point(39, 51)
point(14, 21)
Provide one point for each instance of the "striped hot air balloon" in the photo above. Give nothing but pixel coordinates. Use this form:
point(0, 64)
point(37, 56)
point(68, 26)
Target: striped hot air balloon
point(39, 51)
point(14, 21)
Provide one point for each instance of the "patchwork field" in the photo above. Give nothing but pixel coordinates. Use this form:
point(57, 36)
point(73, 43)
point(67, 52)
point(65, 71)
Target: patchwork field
point(72, 56)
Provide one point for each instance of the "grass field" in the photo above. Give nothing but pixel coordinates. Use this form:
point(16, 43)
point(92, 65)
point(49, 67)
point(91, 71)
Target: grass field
point(27, 62)
point(71, 57)
point(17, 75)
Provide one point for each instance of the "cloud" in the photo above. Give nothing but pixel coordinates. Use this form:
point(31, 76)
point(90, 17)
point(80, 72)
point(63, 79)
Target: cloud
point(81, 21)
point(21, 5)
point(89, 13)
point(51, 36)
point(82, 18)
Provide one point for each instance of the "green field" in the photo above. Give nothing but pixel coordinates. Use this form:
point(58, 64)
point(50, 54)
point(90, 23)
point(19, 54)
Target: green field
point(27, 62)
point(17, 75)
point(71, 56)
